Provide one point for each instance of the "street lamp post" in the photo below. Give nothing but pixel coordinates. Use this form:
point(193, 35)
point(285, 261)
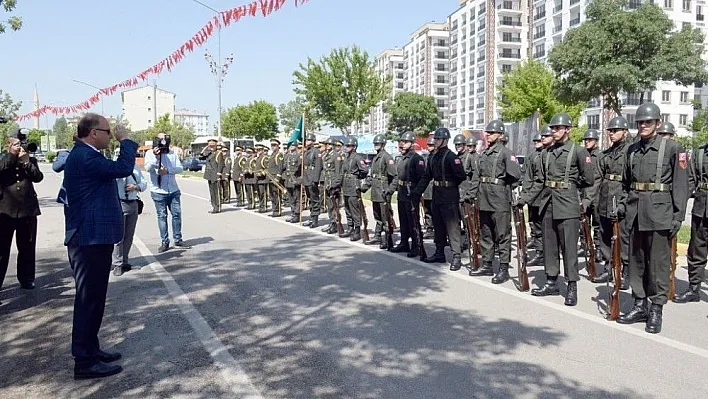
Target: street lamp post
point(95, 87)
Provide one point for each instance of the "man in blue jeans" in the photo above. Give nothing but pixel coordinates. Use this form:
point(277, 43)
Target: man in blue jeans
point(162, 164)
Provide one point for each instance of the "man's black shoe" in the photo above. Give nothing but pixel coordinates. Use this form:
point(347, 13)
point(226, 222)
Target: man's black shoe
point(27, 286)
point(108, 357)
point(98, 370)
point(182, 244)
point(164, 247)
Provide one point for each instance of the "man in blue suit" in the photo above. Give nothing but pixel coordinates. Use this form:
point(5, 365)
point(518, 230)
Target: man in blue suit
point(94, 223)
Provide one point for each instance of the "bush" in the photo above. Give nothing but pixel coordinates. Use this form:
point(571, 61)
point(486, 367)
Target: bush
point(51, 155)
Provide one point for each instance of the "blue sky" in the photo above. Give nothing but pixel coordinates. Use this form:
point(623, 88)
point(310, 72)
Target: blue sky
point(104, 42)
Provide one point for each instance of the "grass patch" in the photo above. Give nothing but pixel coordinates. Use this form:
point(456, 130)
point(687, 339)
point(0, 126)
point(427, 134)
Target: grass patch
point(684, 234)
point(189, 173)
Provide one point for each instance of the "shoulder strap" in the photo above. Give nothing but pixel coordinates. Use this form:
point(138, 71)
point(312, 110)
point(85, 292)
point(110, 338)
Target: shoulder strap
point(544, 165)
point(494, 168)
point(660, 162)
point(568, 161)
point(700, 164)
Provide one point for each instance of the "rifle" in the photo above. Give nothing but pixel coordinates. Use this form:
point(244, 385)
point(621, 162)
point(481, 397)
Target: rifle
point(589, 246)
point(473, 236)
point(521, 254)
point(335, 205)
point(613, 307)
point(391, 225)
point(364, 219)
point(672, 275)
point(418, 231)
point(276, 183)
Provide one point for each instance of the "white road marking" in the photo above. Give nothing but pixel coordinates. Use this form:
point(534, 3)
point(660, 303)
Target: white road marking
point(524, 296)
point(235, 379)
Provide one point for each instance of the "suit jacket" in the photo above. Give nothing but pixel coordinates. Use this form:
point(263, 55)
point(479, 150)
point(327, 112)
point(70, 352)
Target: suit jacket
point(17, 196)
point(94, 213)
point(58, 166)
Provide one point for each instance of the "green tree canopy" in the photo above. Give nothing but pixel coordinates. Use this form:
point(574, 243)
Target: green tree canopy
point(181, 136)
point(342, 87)
point(63, 133)
point(8, 110)
point(624, 51)
point(290, 112)
point(529, 88)
point(13, 22)
point(413, 112)
point(257, 119)
point(35, 136)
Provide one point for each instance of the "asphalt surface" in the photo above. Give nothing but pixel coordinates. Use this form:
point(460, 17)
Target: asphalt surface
point(262, 308)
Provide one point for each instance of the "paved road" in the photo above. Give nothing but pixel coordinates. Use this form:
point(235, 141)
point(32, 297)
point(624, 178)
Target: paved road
point(262, 308)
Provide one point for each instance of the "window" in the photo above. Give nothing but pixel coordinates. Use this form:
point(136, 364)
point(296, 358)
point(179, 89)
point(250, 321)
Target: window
point(665, 96)
point(441, 103)
point(149, 121)
point(506, 68)
point(149, 109)
point(630, 119)
point(684, 97)
point(399, 85)
point(685, 25)
point(669, 4)
point(664, 118)
point(593, 121)
point(686, 5)
point(149, 97)
point(683, 119)
point(440, 91)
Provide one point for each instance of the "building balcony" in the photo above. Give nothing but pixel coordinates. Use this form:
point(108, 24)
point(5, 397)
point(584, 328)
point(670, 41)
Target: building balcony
point(508, 23)
point(700, 17)
point(538, 16)
point(557, 29)
point(576, 3)
point(558, 8)
point(511, 41)
point(509, 7)
point(539, 55)
point(539, 35)
point(575, 21)
point(510, 55)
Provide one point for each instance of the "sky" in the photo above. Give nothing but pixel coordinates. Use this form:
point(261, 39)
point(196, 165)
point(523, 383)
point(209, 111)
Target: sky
point(105, 42)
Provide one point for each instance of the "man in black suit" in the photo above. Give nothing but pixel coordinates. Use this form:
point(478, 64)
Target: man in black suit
point(94, 223)
point(18, 209)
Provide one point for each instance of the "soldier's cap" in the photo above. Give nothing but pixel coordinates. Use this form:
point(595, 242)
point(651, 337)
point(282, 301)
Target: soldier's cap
point(274, 142)
point(260, 146)
point(249, 149)
point(210, 140)
point(238, 147)
point(338, 142)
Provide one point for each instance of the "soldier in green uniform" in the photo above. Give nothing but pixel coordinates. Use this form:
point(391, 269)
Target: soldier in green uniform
point(460, 143)
point(533, 164)
point(354, 169)
point(213, 170)
point(331, 171)
point(226, 181)
point(311, 179)
point(383, 181)
point(498, 173)
point(655, 187)
point(667, 130)
point(249, 178)
point(446, 172)
point(292, 176)
point(589, 194)
point(610, 167)
point(323, 152)
point(237, 175)
point(428, 195)
point(261, 166)
point(410, 169)
point(567, 168)
point(275, 167)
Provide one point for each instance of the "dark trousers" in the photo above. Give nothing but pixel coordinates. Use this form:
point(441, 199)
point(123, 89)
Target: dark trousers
point(697, 250)
point(594, 220)
point(606, 234)
point(379, 216)
point(262, 196)
point(535, 221)
point(276, 199)
point(91, 265)
point(252, 195)
point(313, 195)
point(352, 210)
point(215, 195)
point(226, 191)
point(446, 222)
point(406, 220)
point(560, 235)
point(26, 242)
point(495, 231)
point(294, 198)
point(240, 192)
point(332, 195)
point(649, 268)
point(428, 214)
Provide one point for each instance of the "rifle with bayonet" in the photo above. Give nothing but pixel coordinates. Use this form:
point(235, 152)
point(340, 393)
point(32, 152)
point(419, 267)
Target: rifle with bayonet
point(364, 220)
point(613, 305)
point(335, 206)
point(521, 244)
point(390, 223)
point(672, 275)
point(589, 245)
point(418, 231)
point(472, 236)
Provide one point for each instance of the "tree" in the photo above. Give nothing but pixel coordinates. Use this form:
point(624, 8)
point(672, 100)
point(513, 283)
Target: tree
point(413, 112)
point(257, 119)
point(341, 88)
point(529, 88)
point(35, 136)
point(63, 134)
point(181, 137)
point(13, 22)
point(290, 112)
point(624, 51)
point(8, 110)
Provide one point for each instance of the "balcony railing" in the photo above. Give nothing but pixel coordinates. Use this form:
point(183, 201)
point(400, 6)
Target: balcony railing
point(510, 23)
point(540, 54)
point(557, 28)
point(538, 16)
point(558, 8)
point(511, 39)
point(700, 17)
point(574, 2)
point(539, 35)
point(509, 5)
point(509, 54)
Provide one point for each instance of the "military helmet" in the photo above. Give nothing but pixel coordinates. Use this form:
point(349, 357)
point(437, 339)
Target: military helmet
point(351, 141)
point(379, 139)
point(329, 140)
point(472, 141)
point(495, 126)
point(459, 139)
point(647, 112)
point(431, 140)
point(667, 128)
point(407, 136)
point(618, 123)
point(338, 142)
point(441, 133)
point(311, 137)
point(591, 134)
point(561, 119)
point(537, 137)
point(545, 131)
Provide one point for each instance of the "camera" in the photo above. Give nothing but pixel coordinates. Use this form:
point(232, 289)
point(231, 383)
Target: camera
point(22, 136)
point(162, 144)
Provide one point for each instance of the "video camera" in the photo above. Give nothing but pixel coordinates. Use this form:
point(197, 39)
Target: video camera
point(22, 136)
point(162, 144)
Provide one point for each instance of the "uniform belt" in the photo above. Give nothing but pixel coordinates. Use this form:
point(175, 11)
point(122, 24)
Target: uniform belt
point(492, 180)
point(613, 177)
point(442, 183)
point(650, 187)
point(405, 183)
point(559, 184)
point(703, 186)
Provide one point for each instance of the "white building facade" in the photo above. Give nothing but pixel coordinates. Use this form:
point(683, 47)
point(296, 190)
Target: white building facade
point(144, 105)
point(388, 62)
point(196, 120)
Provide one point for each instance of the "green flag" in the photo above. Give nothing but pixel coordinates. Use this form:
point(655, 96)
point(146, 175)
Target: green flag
point(297, 133)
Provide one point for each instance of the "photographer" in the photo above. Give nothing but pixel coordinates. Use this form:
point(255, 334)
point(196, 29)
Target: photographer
point(162, 164)
point(19, 207)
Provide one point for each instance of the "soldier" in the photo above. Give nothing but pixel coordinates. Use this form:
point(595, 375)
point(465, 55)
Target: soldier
point(260, 168)
point(275, 167)
point(311, 179)
point(410, 169)
point(498, 173)
point(655, 191)
point(354, 169)
point(292, 173)
point(384, 181)
point(566, 169)
point(332, 169)
point(428, 195)
point(473, 158)
point(533, 165)
point(460, 143)
point(589, 195)
point(446, 172)
point(213, 170)
point(667, 130)
point(324, 151)
point(237, 175)
point(249, 178)
point(610, 167)
point(698, 244)
point(226, 181)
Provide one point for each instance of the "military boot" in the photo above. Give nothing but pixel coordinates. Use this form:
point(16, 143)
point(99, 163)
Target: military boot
point(537, 259)
point(604, 277)
point(356, 234)
point(329, 228)
point(693, 294)
point(334, 229)
point(571, 297)
point(438, 256)
point(401, 247)
point(548, 289)
point(624, 286)
point(375, 240)
point(456, 263)
point(347, 232)
point(386, 242)
point(487, 269)
point(637, 314)
point(533, 245)
point(294, 218)
point(314, 222)
point(428, 234)
point(654, 320)
point(503, 275)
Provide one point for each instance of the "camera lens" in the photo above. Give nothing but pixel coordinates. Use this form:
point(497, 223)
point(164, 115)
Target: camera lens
point(32, 147)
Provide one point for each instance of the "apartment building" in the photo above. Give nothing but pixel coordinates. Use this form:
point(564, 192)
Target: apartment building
point(142, 106)
point(483, 43)
point(198, 121)
point(388, 62)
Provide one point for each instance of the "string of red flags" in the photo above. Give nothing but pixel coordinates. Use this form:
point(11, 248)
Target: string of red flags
point(225, 19)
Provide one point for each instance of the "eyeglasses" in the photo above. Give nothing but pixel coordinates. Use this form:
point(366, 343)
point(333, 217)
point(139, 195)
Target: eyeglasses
point(103, 130)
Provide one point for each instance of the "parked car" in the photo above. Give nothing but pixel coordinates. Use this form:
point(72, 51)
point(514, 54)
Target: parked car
point(193, 164)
